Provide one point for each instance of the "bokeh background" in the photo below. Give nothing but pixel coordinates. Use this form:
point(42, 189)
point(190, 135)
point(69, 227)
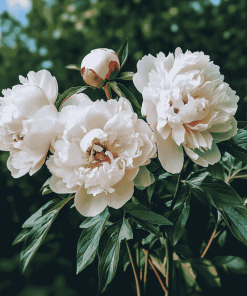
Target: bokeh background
point(50, 34)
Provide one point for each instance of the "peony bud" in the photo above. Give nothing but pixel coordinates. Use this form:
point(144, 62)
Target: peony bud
point(98, 66)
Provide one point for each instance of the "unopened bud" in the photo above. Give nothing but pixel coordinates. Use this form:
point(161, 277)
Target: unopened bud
point(98, 66)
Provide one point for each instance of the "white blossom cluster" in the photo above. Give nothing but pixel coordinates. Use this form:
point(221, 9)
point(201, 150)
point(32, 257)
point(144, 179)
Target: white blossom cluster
point(100, 149)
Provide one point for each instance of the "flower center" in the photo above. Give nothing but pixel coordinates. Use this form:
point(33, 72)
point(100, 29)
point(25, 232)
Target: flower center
point(17, 138)
point(97, 155)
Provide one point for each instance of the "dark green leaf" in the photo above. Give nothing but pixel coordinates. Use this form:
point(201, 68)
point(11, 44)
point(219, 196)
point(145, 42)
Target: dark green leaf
point(222, 239)
point(68, 93)
point(31, 221)
point(225, 199)
point(89, 239)
point(45, 185)
point(231, 263)
point(128, 95)
point(36, 237)
point(150, 191)
point(148, 226)
point(180, 214)
point(237, 145)
point(108, 251)
point(21, 236)
point(123, 53)
point(122, 91)
point(143, 213)
point(164, 176)
point(207, 271)
point(153, 166)
point(126, 76)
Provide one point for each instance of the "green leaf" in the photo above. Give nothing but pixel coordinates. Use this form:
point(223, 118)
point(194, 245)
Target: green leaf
point(143, 213)
point(108, 251)
point(231, 263)
point(237, 145)
point(34, 219)
point(41, 222)
point(148, 226)
point(128, 95)
point(89, 239)
point(225, 199)
point(122, 91)
point(207, 271)
point(180, 214)
point(45, 185)
point(68, 93)
point(150, 191)
point(126, 76)
point(123, 53)
point(21, 236)
point(222, 239)
point(36, 237)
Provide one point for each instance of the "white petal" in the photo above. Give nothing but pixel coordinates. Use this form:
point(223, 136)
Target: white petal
point(219, 137)
point(29, 100)
point(87, 140)
point(77, 99)
point(178, 133)
point(130, 174)
point(170, 154)
point(89, 205)
point(144, 66)
point(16, 173)
point(58, 186)
point(46, 82)
point(124, 190)
point(37, 166)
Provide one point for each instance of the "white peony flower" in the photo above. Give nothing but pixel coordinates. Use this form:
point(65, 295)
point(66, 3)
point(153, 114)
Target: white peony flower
point(98, 66)
point(99, 154)
point(28, 121)
point(187, 105)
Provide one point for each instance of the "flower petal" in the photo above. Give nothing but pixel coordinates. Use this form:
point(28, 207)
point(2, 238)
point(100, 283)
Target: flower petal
point(124, 190)
point(170, 154)
point(58, 186)
point(46, 82)
point(29, 100)
point(144, 66)
point(89, 205)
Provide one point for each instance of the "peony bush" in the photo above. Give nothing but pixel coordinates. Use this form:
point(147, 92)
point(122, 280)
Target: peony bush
point(101, 155)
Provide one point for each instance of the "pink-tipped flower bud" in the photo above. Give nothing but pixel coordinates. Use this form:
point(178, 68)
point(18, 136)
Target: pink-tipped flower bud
point(98, 66)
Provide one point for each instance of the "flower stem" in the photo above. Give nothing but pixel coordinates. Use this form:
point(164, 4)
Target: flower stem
point(156, 273)
point(138, 291)
point(145, 272)
point(209, 243)
point(169, 268)
point(107, 91)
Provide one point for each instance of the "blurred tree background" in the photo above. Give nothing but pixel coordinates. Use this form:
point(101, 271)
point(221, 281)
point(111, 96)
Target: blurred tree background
point(62, 32)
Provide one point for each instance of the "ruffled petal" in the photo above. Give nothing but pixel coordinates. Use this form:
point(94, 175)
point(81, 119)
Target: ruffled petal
point(58, 186)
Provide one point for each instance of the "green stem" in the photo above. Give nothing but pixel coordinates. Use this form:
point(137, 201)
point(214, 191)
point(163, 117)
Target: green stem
point(145, 272)
point(169, 256)
point(138, 291)
point(107, 90)
point(209, 243)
